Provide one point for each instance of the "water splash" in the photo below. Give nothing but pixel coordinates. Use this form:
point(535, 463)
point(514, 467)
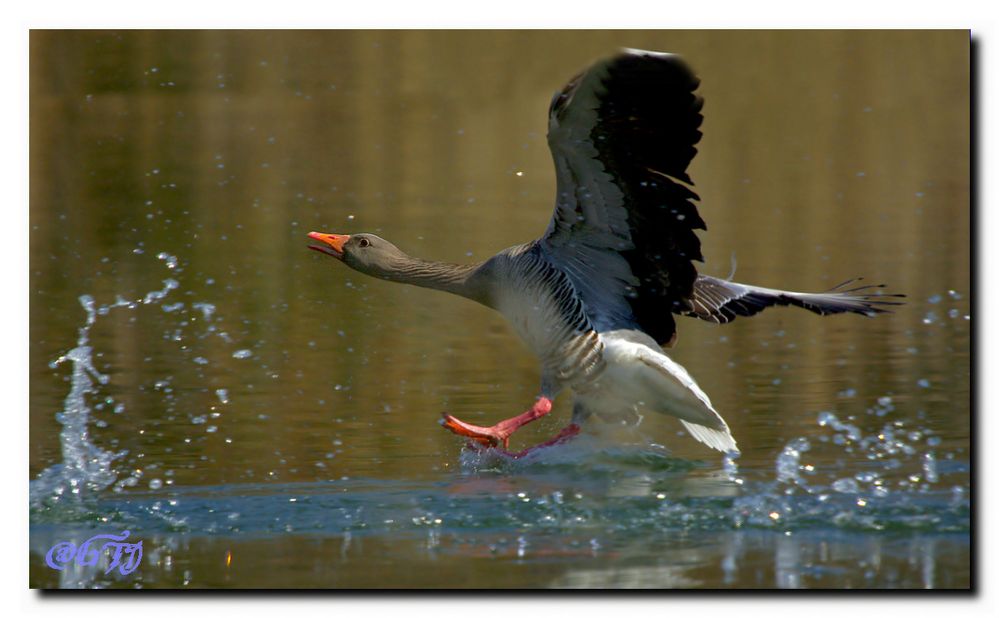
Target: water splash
point(789, 461)
point(86, 469)
point(898, 480)
point(731, 468)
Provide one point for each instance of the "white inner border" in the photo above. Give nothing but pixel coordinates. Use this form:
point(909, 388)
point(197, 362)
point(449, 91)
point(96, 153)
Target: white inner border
point(416, 14)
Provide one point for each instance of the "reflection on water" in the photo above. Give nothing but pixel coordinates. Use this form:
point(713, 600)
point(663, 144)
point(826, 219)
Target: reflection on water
point(283, 410)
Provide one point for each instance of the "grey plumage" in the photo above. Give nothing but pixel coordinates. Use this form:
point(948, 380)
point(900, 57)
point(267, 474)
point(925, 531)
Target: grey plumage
point(547, 311)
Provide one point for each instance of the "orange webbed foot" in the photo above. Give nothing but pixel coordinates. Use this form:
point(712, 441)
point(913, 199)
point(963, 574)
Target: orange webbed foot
point(486, 436)
point(500, 432)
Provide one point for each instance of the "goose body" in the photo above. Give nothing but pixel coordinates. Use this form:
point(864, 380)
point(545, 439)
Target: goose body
point(614, 373)
point(595, 297)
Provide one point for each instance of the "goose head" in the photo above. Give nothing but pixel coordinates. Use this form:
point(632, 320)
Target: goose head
point(365, 253)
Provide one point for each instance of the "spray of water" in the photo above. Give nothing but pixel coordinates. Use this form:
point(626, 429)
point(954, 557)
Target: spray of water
point(86, 469)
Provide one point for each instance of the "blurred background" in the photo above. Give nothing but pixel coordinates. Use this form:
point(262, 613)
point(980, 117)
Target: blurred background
point(205, 158)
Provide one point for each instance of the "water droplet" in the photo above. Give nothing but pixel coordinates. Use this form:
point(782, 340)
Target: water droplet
point(930, 467)
point(846, 486)
point(206, 309)
point(171, 261)
point(866, 477)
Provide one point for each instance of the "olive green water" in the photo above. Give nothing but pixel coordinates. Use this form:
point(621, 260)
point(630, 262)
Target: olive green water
point(282, 410)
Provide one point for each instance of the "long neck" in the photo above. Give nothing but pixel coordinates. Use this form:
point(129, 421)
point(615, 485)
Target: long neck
point(466, 280)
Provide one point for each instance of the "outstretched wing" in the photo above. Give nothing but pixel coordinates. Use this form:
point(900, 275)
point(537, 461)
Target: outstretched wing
point(622, 135)
point(717, 300)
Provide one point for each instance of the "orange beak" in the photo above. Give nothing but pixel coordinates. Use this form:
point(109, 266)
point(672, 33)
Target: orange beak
point(332, 243)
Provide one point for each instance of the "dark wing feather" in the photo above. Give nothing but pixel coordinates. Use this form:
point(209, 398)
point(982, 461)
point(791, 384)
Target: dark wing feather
point(717, 300)
point(622, 135)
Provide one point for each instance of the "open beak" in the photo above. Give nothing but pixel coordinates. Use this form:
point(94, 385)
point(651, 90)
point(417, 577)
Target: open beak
point(332, 244)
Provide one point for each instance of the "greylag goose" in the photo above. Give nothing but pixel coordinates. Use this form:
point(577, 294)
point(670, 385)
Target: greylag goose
point(595, 296)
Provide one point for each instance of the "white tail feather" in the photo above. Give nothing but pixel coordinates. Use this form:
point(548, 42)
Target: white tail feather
point(720, 439)
point(637, 366)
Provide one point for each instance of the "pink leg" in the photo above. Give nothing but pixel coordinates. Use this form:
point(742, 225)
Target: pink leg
point(563, 436)
point(501, 431)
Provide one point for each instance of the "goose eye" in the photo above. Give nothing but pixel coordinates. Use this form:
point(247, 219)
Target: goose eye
point(364, 242)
